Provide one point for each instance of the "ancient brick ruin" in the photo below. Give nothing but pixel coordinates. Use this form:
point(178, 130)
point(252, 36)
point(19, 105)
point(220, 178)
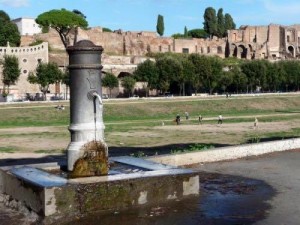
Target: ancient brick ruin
point(123, 51)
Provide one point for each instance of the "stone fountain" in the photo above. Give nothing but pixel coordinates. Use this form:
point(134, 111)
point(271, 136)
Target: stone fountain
point(87, 151)
point(91, 186)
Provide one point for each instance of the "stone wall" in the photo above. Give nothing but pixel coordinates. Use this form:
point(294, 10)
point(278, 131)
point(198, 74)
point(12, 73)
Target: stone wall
point(123, 51)
point(29, 57)
point(273, 42)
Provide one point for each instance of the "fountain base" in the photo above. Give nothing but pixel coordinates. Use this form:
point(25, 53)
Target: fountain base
point(53, 197)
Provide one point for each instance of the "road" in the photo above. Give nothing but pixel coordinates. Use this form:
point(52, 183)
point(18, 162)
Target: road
point(262, 190)
point(281, 171)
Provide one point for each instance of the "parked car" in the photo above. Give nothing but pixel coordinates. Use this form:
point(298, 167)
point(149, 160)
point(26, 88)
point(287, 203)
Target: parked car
point(105, 96)
point(134, 96)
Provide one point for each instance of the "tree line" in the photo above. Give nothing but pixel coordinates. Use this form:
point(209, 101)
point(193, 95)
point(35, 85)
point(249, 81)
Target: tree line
point(184, 74)
point(215, 24)
point(8, 31)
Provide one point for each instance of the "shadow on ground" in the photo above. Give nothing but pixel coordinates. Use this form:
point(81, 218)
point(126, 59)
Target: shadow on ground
point(113, 151)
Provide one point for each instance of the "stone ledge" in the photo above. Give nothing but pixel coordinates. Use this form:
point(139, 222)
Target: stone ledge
point(226, 153)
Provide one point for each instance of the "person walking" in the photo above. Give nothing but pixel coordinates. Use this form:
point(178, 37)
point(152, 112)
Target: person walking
point(220, 119)
point(177, 119)
point(200, 119)
point(255, 123)
point(187, 115)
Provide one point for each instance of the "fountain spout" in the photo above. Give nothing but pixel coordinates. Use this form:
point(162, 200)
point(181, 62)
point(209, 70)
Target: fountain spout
point(97, 96)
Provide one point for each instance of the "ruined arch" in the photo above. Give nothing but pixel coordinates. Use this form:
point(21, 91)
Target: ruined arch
point(124, 74)
point(291, 50)
point(242, 50)
point(233, 50)
point(250, 48)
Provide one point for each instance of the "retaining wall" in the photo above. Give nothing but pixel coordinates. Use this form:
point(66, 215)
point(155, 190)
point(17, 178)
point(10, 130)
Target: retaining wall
point(227, 153)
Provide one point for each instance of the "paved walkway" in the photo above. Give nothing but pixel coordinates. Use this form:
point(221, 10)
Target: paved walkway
point(281, 171)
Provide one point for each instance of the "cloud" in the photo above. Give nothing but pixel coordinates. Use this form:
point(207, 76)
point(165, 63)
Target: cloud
point(15, 3)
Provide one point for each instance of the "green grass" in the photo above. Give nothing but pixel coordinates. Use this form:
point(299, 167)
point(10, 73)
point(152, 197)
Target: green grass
point(192, 148)
point(137, 123)
point(50, 151)
point(9, 149)
point(143, 110)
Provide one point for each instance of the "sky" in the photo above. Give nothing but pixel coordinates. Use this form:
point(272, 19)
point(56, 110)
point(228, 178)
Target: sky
point(141, 15)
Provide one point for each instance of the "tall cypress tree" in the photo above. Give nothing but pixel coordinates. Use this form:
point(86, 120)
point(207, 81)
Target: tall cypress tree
point(228, 23)
point(220, 23)
point(160, 27)
point(185, 31)
point(210, 21)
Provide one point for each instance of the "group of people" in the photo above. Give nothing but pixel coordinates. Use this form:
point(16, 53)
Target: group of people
point(200, 118)
point(60, 107)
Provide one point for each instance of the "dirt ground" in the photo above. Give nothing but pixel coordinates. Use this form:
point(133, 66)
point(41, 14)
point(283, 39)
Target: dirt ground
point(53, 140)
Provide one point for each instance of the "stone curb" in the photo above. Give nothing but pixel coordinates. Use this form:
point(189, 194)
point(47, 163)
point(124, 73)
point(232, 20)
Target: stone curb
point(227, 153)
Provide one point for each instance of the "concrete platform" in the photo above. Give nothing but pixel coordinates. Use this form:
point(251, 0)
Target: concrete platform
point(52, 196)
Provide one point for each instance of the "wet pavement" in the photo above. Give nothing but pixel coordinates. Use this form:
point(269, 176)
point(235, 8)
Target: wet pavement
point(224, 200)
point(280, 170)
point(258, 190)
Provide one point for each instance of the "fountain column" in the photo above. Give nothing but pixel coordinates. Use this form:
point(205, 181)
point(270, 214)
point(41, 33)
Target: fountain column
point(86, 122)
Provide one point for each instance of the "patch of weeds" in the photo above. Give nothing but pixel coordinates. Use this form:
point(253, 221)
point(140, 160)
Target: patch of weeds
point(7, 149)
point(255, 139)
point(138, 154)
point(49, 151)
point(192, 148)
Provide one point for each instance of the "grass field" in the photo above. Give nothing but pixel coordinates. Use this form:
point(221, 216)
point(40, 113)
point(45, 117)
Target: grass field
point(136, 125)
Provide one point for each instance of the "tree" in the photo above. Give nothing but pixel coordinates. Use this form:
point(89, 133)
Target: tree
point(4, 16)
point(210, 21)
point(105, 29)
point(160, 27)
point(256, 73)
point(8, 31)
point(226, 80)
point(197, 33)
point(76, 11)
point(110, 81)
point(292, 71)
point(147, 73)
point(197, 78)
point(177, 36)
point(212, 78)
point(274, 76)
point(128, 84)
point(220, 23)
point(185, 74)
point(66, 80)
point(228, 23)
point(79, 13)
point(63, 21)
point(46, 74)
point(239, 79)
point(185, 32)
point(168, 68)
point(11, 72)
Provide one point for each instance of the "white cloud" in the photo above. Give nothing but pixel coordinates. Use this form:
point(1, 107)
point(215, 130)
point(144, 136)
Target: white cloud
point(15, 3)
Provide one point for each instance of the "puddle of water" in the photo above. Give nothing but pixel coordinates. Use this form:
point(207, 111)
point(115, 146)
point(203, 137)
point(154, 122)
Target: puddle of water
point(223, 200)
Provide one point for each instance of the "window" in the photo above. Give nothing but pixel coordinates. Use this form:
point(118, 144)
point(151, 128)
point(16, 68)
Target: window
point(24, 71)
point(185, 50)
point(24, 60)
